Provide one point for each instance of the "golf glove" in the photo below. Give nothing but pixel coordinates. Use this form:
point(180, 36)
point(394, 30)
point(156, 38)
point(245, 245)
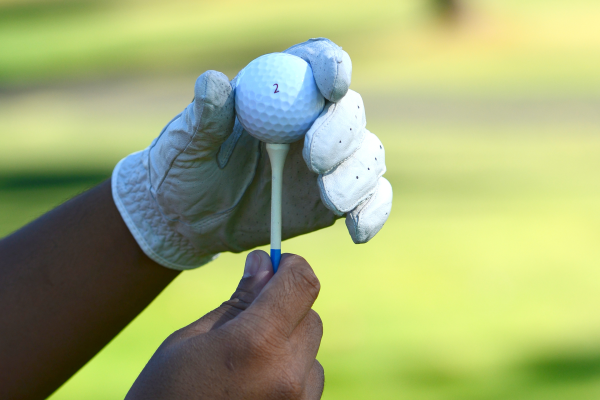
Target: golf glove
point(203, 186)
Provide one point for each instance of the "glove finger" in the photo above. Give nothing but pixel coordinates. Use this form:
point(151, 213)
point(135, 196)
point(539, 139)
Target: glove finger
point(199, 130)
point(238, 130)
point(336, 134)
point(369, 216)
point(331, 66)
point(213, 110)
point(354, 180)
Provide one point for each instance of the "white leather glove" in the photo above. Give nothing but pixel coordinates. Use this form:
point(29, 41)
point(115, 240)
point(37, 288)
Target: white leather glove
point(204, 185)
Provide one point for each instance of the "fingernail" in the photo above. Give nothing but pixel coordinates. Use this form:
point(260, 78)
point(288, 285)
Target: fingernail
point(252, 265)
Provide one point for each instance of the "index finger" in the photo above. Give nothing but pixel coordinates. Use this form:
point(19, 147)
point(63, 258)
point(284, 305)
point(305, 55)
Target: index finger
point(287, 298)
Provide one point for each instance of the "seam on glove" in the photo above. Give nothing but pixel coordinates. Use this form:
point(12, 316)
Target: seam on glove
point(325, 197)
point(191, 140)
point(335, 78)
point(365, 197)
point(364, 206)
point(222, 214)
point(321, 128)
point(305, 42)
point(137, 235)
point(228, 147)
point(206, 221)
point(364, 232)
point(317, 133)
point(219, 214)
point(342, 211)
point(153, 145)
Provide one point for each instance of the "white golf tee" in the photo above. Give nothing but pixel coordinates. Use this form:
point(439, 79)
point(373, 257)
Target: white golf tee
point(277, 155)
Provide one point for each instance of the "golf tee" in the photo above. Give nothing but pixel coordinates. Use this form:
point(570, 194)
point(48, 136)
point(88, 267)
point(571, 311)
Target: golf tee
point(277, 155)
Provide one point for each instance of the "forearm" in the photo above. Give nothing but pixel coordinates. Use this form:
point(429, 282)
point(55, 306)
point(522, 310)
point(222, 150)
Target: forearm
point(69, 282)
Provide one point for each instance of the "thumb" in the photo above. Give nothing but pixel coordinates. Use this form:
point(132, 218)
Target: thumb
point(286, 299)
point(257, 272)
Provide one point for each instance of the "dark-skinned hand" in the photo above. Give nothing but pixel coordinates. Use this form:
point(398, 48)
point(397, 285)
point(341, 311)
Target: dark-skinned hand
point(260, 344)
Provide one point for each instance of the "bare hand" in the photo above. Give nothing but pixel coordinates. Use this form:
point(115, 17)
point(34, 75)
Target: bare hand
point(260, 344)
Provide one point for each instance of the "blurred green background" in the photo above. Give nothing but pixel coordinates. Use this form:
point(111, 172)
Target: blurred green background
point(484, 283)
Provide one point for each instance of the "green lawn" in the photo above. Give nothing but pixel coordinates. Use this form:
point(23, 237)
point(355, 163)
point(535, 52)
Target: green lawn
point(485, 282)
point(505, 47)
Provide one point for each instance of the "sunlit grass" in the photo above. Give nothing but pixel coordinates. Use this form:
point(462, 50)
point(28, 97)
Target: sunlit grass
point(130, 37)
point(482, 284)
point(501, 48)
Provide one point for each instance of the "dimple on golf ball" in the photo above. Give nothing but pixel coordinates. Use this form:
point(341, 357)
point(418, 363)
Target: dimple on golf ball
point(277, 99)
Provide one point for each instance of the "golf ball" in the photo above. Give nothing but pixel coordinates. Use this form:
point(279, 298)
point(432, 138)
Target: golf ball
point(277, 99)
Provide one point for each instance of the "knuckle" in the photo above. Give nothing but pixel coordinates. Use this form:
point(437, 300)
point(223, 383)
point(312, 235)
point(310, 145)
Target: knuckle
point(262, 331)
point(319, 372)
point(257, 342)
point(295, 258)
point(260, 349)
point(315, 321)
point(318, 381)
point(229, 311)
point(319, 369)
point(241, 300)
point(171, 339)
point(247, 344)
point(175, 337)
point(288, 386)
point(305, 278)
point(212, 77)
point(260, 343)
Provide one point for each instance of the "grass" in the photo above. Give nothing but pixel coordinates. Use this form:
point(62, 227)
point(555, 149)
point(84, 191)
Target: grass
point(504, 48)
point(484, 284)
point(490, 291)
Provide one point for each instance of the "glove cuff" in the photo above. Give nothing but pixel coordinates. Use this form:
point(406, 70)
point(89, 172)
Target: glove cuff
point(154, 234)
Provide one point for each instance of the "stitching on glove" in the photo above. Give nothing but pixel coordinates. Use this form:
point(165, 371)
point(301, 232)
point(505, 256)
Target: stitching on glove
point(349, 156)
point(316, 134)
point(365, 205)
point(356, 203)
point(222, 214)
point(219, 214)
point(198, 120)
point(304, 44)
point(206, 221)
point(335, 78)
point(178, 154)
point(319, 130)
point(191, 140)
point(139, 237)
point(153, 145)
point(228, 147)
point(326, 198)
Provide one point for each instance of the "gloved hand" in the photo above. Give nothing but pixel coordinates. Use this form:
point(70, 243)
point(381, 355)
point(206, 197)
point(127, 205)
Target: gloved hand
point(204, 185)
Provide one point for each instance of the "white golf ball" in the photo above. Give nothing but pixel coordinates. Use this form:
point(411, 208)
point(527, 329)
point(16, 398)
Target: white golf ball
point(277, 99)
